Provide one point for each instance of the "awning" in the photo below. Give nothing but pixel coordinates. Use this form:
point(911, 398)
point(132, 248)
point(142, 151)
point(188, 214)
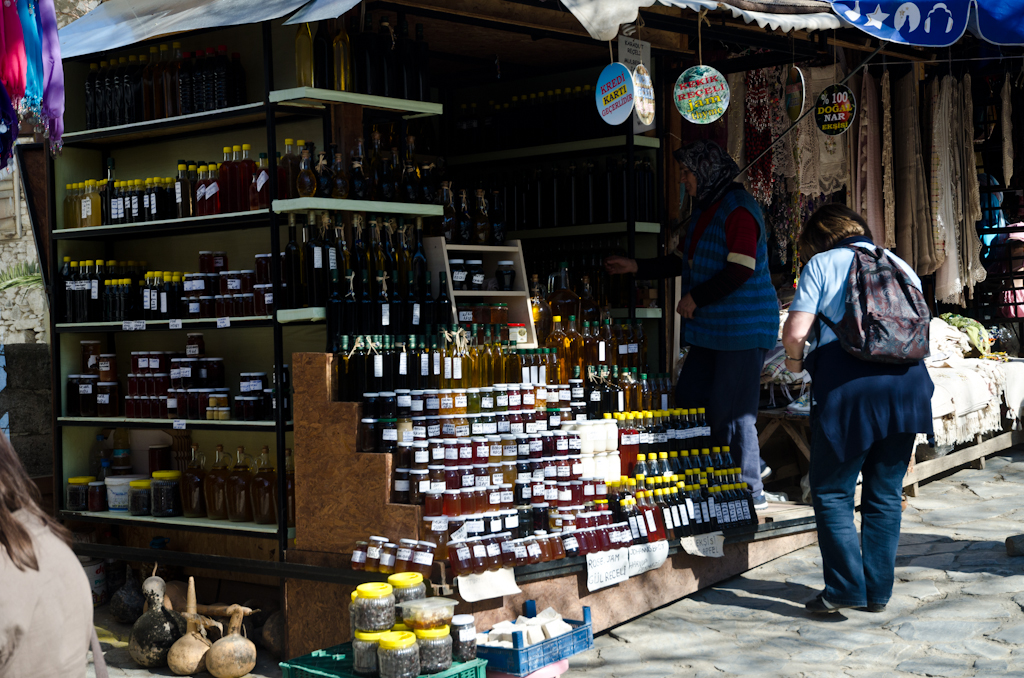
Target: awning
point(936, 24)
point(318, 10)
point(602, 18)
point(118, 23)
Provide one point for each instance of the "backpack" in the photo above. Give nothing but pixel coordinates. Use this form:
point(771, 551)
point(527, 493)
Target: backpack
point(886, 318)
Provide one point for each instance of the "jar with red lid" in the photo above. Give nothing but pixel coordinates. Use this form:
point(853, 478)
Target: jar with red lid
point(206, 307)
point(206, 261)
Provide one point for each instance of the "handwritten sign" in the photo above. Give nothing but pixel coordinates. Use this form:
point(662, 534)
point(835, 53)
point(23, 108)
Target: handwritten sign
point(701, 94)
point(174, 324)
point(708, 545)
point(647, 557)
point(487, 585)
point(633, 53)
point(614, 94)
point(835, 110)
point(606, 569)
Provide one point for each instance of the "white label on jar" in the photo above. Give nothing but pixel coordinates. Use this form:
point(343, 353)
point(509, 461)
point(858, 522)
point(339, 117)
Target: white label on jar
point(389, 434)
point(245, 386)
point(387, 559)
point(563, 471)
point(421, 455)
point(403, 368)
point(437, 486)
point(192, 350)
point(515, 400)
point(645, 439)
point(175, 373)
point(479, 551)
point(554, 421)
point(577, 468)
point(468, 480)
point(520, 551)
point(503, 426)
point(562, 443)
point(507, 450)
point(493, 550)
point(103, 398)
point(461, 400)
point(198, 285)
point(506, 497)
point(403, 553)
point(502, 400)
point(318, 258)
point(527, 491)
point(385, 314)
point(536, 445)
point(531, 427)
point(424, 486)
point(438, 524)
point(193, 307)
point(469, 633)
point(466, 452)
point(268, 298)
point(515, 428)
point(359, 556)
point(451, 453)
point(465, 316)
point(497, 478)
point(528, 398)
point(602, 489)
point(186, 372)
point(478, 279)
point(494, 498)
point(261, 180)
point(447, 366)
point(542, 393)
point(234, 283)
point(550, 493)
point(401, 486)
point(564, 495)
point(462, 431)
point(564, 395)
point(456, 368)
point(373, 552)
point(104, 366)
point(448, 428)
point(588, 490)
point(84, 389)
point(533, 549)
point(447, 402)
point(633, 348)
point(172, 403)
point(143, 363)
point(459, 276)
point(405, 400)
point(433, 402)
point(189, 286)
point(177, 191)
point(378, 366)
point(571, 544)
point(576, 392)
point(433, 430)
point(462, 553)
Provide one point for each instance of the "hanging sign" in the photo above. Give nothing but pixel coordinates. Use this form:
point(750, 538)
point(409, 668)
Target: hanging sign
point(920, 22)
point(614, 94)
point(633, 53)
point(835, 110)
point(644, 88)
point(701, 94)
point(795, 93)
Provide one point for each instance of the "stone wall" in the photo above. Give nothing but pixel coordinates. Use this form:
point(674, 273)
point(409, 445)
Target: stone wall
point(26, 401)
point(23, 310)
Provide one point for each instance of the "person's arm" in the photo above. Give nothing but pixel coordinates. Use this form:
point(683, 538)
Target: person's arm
point(794, 336)
point(668, 266)
point(741, 233)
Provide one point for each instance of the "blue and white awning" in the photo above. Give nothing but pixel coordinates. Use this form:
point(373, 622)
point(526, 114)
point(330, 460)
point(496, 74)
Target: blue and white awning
point(932, 23)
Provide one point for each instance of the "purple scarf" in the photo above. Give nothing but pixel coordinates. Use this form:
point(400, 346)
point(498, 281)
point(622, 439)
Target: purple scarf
point(53, 75)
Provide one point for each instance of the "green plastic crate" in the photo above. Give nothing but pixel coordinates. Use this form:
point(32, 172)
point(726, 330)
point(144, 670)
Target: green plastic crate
point(336, 662)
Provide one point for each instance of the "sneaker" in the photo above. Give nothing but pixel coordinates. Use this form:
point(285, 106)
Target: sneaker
point(766, 470)
point(873, 607)
point(762, 501)
point(818, 605)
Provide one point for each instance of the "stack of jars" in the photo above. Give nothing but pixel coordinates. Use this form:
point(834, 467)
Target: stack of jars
point(246, 292)
point(379, 554)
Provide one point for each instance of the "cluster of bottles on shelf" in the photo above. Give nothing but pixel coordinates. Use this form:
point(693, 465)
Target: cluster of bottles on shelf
point(245, 492)
point(584, 275)
point(577, 192)
point(163, 84)
point(385, 62)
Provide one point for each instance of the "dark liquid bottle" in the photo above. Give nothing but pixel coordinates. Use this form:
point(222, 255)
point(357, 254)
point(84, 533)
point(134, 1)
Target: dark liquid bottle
point(90, 97)
point(323, 57)
point(293, 268)
point(238, 489)
point(316, 264)
point(193, 502)
point(449, 226)
point(263, 491)
point(220, 77)
point(215, 487)
point(443, 314)
point(359, 184)
point(185, 86)
point(365, 64)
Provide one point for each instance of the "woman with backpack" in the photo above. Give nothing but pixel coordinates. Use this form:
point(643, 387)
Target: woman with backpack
point(870, 398)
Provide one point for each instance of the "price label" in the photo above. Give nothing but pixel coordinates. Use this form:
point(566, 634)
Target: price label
point(223, 322)
point(103, 398)
point(415, 314)
point(179, 424)
point(174, 324)
point(385, 314)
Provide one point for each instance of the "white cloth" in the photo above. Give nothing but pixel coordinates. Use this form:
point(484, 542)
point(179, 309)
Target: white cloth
point(868, 179)
point(970, 243)
point(823, 164)
point(888, 185)
point(949, 286)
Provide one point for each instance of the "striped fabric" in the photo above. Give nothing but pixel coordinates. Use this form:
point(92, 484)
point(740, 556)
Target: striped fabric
point(747, 318)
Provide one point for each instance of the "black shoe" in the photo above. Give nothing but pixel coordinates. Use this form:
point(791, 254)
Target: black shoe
point(874, 607)
point(817, 605)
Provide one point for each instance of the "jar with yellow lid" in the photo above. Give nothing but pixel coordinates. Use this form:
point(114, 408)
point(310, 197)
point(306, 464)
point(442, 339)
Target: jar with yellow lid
point(77, 493)
point(139, 492)
point(364, 652)
point(398, 655)
point(373, 607)
point(408, 586)
point(166, 489)
point(435, 649)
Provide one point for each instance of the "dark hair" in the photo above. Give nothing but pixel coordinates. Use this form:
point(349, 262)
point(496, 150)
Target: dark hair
point(17, 491)
point(828, 225)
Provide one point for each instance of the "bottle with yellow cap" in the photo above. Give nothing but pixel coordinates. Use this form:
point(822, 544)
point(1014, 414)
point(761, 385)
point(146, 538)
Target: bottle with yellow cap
point(246, 168)
point(183, 197)
point(227, 178)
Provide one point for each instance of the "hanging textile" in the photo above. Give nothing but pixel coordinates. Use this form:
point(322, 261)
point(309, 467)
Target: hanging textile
point(888, 186)
point(949, 286)
point(53, 75)
point(736, 115)
point(868, 181)
point(1007, 121)
point(757, 132)
point(914, 241)
point(8, 128)
point(12, 62)
point(970, 244)
point(31, 104)
point(822, 159)
point(1018, 130)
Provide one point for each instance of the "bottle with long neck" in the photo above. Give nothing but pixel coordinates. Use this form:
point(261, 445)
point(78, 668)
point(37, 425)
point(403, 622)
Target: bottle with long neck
point(290, 163)
point(215, 487)
point(419, 261)
point(342, 52)
point(171, 81)
point(575, 359)
point(150, 111)
point(183, 196)
point(316, 264)
point(304, 56)
point(238, 489)
point(246, 169)
point(443, 313)
point(359, 182)
point(589, 308)
point(562, 299)
point(339, 178)
point(449, 225)
point(540, 309)
point(560, 342)
point(305, 183)
point(375, 166)
point(293, 277)
point(259, 187)
point(263, 490)
point(227, 177)
point(323, 57)
point(410, 184)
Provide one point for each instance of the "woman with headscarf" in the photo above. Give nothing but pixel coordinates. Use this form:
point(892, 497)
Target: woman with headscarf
point(729, 310)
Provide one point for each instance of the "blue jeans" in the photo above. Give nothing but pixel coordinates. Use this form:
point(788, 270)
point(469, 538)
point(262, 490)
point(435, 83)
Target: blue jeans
point(858, 572)
point(728, 384)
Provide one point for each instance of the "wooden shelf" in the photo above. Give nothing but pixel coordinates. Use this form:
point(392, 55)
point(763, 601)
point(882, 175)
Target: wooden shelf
point(553, 149)
point(179, 522)
point(640, 313)
point(312, 95)
point(163, 325)
point(151, 229)
point(591, 229)
point(490, 293)
point(315, 314)
point(190, 424)
point(337, 205)
point(209, 122)
point(507, 249)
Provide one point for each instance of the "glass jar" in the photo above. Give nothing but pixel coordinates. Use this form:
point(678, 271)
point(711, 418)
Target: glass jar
point(403, 555)
point(435, 649)
point(398, 655)
point(220, 261)
point(373, 608)
point(407, 586)
point(221, 305)
point(166, 488)
point(97, 496)
point(419, 485)
point(364, 651)
point(423, 558)
point(108, 367)
point(475, 274)
point(263, 269)
point(387, 558)
point(505, 275)
point(459, 274)
point(87, 388)
point(90, 357)
point(107, 401)
point(373, 553)
point(77, 493)
point(358, 561)
point(206, 307)
point(139, 496)
point(195, 345)
point(400, 486)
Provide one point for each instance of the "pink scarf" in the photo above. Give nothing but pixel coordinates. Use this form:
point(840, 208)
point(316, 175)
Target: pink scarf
point(12, 59)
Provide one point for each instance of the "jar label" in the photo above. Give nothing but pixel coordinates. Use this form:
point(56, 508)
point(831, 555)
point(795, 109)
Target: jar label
point(533, 549)
point(623, 349)
point(404, 553)
point(447, 402)
point(387, 559)
point(385, 314)
point(478, 428)
point(507, 497)
point(531, 427)
point(497, 478)
point(564, 495)
point(234, 283)
point(571, 544)
point(456, 368)
point(595, 396)
point(415, 314)
point(515, 400)
point(437, 486)
point(403, 368)
point(509, 450)
point(462, 431)
point(466, 452)
point(514, 427)
point(373, 552)
point(528, 398)
point(424, 372)
point(433, 403)
point(401, 486)
point(576, 392)
point(451, 453)
point(459, 276)
point(494, 498)
point(475, 525)
point(103, 398)
point(461, 400)
point(503, 426)
point(84, 389)
point(172, 403)
point(554, 421)
point(493, 550)
point(479, 551)
point(192, 350)
point(588, 490)
point(634, 348)
point(244, 386)
point(502, 400)
point(104, 366)
point(469, 633)
point(465, 316)
point(405, 400)
point(415, 406)
point(433, 430)
point(438, 452)
point(268, 298)
point(478, 279)
point(486, 402)
point(359, 556)
point(143, 363)
point(562, 444)
point(389, 434)
point(462, 553)
point(520, 551)
point(577, 468)
point(645, 439)
point(186, 372)
point(424, 486)
point(468, 480)
point(550, 493)
point(421, 456)
point(439, 525)
point(378, 366)
point(193, 308)
point(563, 471)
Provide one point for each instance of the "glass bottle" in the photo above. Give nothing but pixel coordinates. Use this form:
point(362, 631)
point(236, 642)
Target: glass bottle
point(246, 170)
point(304, 56)
point(409, 188)
point(193, 504)
point(359, 184)
point(449, 225)
point(339, 184)
point(574, 360)
point(481, 226)
point(259, 187)
point(343, 76)
point(562, 299)
point(589, 308)
point(238, 487)
point(290, 162)
point(215, 486)
point(465, 219)
point(293, 273)
point(183, 196)
point(540, 309)
point(305, 183)
point(375, 166)
point(560, 342)
point(316, 261)
point(227, 178)
point(323, 57)
point(263, 490)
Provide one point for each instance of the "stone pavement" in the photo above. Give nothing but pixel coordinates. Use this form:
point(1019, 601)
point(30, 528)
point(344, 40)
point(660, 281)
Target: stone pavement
point(956, 608)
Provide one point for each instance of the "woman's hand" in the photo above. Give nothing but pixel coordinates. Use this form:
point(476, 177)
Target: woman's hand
point(616, 265)
point(686, 307)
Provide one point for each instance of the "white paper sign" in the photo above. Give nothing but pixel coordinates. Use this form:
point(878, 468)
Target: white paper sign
point(487, 585)
point(174, 324)
point(179, 425)
point(606, 569)
point(704, 545)
point(647, 557)
point(223, 322)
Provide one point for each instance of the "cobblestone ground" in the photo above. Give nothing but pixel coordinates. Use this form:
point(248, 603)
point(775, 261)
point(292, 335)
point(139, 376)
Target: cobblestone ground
point(956, 608)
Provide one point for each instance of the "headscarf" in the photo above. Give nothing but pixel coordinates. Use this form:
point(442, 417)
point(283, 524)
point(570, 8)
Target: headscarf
point(713, 167)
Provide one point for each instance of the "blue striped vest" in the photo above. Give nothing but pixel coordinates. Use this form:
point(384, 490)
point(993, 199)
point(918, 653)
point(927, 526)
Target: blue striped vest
point(747, 318)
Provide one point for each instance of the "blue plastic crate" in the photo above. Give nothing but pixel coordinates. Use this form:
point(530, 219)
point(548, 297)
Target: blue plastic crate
point(522, 661)
point(336, 662)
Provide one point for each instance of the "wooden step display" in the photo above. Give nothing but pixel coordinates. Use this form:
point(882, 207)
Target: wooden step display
point(439, 253)
point(341, 495)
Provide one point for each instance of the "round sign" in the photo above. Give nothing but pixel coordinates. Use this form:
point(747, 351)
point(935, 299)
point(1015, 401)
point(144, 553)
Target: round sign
point(835, 110)
point(644, 89)
point(614, 94)
point(701, 94)
point(795, 93)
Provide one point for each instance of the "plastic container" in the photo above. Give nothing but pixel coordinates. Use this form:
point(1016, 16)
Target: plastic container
point(435, 649)
point(166, 487)
point(522, 661)
point(77, 494)
point(428, 613)
point(364, 652)
point(117, 491)
point(398, 655)
point(139, 496)
point(337, 662)
point(407, 586)
point(463, 633)
point(373, 607)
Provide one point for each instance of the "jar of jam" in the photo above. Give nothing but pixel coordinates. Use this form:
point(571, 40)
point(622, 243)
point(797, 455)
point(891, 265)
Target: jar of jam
point(195, 346)
point(459, 557)
point(358, 560)
point(90, 357)
point(263, 269)
point(87, 387)
point(107, 400)
point(387, 558)
point(435, 531)
point(423, 558)
point(400, 486)
point(419, 485)
point(96, 496)
point(373, 553)
point(108, 367)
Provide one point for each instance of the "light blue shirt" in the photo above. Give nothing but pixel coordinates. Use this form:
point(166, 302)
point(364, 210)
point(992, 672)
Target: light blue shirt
point(822, 287)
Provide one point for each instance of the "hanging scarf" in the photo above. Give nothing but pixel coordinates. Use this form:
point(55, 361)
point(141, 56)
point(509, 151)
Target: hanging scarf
point(12, 61)
point(53, 74)
point(8, 128)
point(31, 103)
point(714, 169)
